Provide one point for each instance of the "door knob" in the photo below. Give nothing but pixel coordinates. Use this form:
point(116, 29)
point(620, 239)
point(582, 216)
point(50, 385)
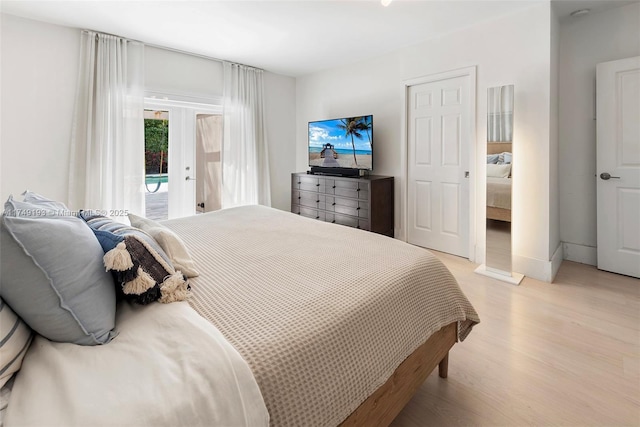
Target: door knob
point(606, 176)
point(188, 178)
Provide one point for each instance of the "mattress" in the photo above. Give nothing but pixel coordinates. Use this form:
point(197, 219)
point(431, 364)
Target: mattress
point(322, 313)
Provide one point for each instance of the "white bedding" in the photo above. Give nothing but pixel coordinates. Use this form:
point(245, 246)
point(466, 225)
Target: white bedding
point(167, 367)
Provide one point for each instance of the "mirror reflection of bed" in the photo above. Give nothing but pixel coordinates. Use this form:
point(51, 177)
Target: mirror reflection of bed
point(499, 163)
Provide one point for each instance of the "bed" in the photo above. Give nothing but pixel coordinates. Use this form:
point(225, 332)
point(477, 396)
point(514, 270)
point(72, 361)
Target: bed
point(499, 198)
point(318, 324)
point(498, 186)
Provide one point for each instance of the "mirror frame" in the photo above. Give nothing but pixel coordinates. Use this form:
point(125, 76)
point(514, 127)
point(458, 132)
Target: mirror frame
point(498, 221)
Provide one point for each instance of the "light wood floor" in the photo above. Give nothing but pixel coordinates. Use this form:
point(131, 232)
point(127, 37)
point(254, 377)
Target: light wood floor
point(498, 250)
point(566, 353)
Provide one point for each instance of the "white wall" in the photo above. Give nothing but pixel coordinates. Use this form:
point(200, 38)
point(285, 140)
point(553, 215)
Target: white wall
point(39, 64)
point(510, 50)
point(39, 69)
point(280, 113)
point(181, 74)
point(555, 247)
point(584, 42)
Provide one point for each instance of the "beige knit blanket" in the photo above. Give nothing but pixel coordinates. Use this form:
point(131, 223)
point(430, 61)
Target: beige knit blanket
point(322, 313)
point(499, 192)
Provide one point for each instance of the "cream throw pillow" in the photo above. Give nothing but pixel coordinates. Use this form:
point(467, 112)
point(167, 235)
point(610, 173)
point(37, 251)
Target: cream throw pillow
point(170, 243)
point(499, 171)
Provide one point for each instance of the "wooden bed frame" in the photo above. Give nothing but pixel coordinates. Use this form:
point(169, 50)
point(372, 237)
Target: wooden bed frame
point(385, 404)
point(500, 214)
point(499, 147)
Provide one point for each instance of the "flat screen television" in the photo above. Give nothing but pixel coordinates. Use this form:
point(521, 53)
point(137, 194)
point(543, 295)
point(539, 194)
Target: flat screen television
point(341, 144)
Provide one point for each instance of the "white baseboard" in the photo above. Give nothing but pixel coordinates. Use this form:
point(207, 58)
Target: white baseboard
point(530, 267)
point(539, 269)
point(580, 253)
point(556, 261)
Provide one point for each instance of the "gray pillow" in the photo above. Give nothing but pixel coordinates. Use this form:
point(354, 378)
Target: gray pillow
point(505, 158)
point(53, 278)
point(34, 206)
point(53, 206)
point(492, 158)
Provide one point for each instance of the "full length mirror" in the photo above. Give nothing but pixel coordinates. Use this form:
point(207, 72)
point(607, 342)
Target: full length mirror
point(499, 181)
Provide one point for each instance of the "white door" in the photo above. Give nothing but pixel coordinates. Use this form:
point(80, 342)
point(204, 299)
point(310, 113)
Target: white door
point(438, 123)
point(618, 166)
point(180, 196)
point(182, 141)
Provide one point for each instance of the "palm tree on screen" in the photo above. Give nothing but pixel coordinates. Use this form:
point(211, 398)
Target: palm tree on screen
point(353, 126)
point(367, 125)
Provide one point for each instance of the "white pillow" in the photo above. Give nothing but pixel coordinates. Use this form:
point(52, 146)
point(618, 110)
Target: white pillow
point(499, 171)
point(170, 243)
point(15, 337)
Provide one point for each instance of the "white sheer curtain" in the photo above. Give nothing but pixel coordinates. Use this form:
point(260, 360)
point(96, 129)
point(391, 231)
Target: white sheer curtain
point(245, 160)
point(500, 114)
point(107, 142)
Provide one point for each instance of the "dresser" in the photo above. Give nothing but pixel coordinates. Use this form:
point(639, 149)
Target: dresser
point(363, 202)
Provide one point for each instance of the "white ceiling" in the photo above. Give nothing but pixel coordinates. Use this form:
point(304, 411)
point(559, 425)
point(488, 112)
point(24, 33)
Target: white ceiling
point(287, 37)
point(565, 7)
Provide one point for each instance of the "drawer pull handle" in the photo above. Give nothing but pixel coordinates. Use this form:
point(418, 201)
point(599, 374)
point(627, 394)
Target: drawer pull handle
point(334, 186)
point(333, 222)
point(317, 201)
point(298, 182)
point(333, 204)
point(357, 226)
point(298, 213)
point(299, 197)
point(318, 185)
point(358, 189)
point(358, 208)
point(317, 217)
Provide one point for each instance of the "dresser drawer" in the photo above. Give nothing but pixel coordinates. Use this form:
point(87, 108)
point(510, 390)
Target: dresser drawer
point(355, 189)
point(353, 207)
point(308, 212)
point(308, 183)
point(364, 202)
point(308, 199)
point(349, 221)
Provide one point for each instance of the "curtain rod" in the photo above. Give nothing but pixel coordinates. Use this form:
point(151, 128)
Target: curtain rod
point(184, 52)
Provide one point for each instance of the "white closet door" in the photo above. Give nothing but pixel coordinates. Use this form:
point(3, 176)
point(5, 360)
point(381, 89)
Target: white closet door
point(438, 122)
point(618, 166)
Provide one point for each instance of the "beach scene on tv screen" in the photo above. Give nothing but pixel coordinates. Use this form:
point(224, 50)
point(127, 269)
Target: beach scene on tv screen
point(344, 143)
